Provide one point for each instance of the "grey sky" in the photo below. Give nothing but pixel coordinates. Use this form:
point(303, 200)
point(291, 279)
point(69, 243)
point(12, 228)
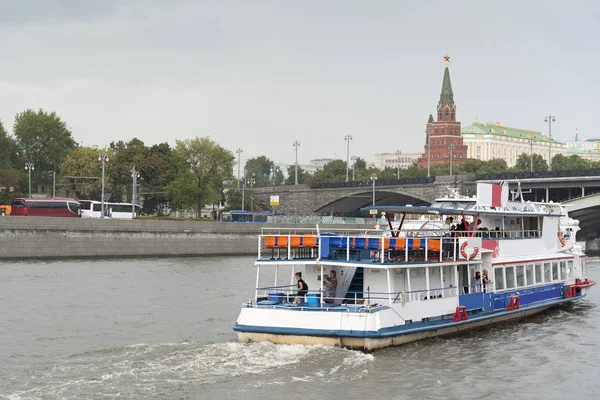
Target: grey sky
point(261, 74)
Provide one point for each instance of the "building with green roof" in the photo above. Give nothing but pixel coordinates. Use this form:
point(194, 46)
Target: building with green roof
point(487, 141)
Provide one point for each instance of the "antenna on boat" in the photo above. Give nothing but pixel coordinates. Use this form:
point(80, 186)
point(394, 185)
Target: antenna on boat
point(318, 233)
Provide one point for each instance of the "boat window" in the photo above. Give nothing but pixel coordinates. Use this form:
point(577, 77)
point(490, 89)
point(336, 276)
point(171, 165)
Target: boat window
point(547, 273)
point(510, 277)
point(499, 278)
point(538, 273)
point(563, 270)
point(554, 270)
point(520, 275)
point(529, 275)
point(569, 267)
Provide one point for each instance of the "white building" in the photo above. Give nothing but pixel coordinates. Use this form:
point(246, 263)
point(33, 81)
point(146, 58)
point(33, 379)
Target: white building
point(393, 160)
point(487, 141)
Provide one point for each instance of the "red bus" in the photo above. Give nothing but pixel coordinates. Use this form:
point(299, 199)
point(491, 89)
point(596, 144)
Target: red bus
point(53, 207)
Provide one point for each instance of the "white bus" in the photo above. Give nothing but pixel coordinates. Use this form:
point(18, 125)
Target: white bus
point(92, 209)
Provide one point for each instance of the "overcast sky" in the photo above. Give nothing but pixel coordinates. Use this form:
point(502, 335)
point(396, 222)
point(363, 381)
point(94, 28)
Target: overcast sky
point(259, 75)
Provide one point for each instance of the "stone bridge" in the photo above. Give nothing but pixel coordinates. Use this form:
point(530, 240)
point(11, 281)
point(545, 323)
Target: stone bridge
point(303, 200)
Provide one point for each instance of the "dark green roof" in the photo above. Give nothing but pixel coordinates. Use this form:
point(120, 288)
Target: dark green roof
point(446, 97)
point(430, 118)
point(491, 128)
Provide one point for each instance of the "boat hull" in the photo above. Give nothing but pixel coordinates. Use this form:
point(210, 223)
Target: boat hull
point(373, 343)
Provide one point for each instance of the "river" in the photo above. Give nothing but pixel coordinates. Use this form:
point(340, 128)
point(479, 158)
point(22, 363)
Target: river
point(162, 329)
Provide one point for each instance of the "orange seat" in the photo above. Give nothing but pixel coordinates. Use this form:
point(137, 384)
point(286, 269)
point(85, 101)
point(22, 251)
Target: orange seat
point(434, 245)
point(270, 242)
point(282, 241)
point(386, 243)
point(295, 242)
point(400, 243)
point(309, 241)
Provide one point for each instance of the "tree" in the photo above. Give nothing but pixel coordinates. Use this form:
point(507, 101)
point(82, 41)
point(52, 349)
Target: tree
point(303, 176)
point(202, 166)
point(10, 179)
point(82, 172)
point(7, 149)
point(156, 172)
point(561, 163)
point(43, 139)
point(263, 173)
point(524, 163)
point(333, 171)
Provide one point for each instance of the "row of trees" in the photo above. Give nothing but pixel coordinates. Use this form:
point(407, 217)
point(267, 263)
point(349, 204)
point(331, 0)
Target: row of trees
point(194, 173)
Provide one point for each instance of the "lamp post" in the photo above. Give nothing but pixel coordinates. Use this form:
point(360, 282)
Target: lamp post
point(29, 167)
point(428, 133)
point(296, 145)
point(550, 119)
point(353, 158)
point(135, 175)
point(243, 190)
point(103, 158)
point(239, 153)
point(251, 181)
point(451, 148)
point(531, 154)
point(398, 152)
point(347, 138)
point(374, 179)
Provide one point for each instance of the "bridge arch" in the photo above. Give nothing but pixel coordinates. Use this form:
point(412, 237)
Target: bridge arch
point(586, 210)
point(350, 205)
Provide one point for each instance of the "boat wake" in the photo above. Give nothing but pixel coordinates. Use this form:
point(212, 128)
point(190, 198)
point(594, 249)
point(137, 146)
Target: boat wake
point(142, 370)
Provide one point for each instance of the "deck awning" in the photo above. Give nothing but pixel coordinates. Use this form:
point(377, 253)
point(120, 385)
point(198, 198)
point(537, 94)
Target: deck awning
point(428, 210)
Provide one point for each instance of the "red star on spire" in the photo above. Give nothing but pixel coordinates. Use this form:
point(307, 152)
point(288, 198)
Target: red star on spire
point(447, 58)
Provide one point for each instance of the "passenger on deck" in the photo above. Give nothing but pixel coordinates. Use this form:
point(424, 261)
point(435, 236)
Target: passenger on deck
point(330, 286)
point(477, 282)
point(302, 288)
point(485, 280)
point(448, 227)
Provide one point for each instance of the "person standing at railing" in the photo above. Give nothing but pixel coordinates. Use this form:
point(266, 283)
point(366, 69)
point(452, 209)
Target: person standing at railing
point(485, 280)
point(302, 288)
point(330, 285)
point(477, 282)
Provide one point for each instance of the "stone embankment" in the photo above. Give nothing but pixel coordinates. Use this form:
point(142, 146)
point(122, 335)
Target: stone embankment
point(54, 238)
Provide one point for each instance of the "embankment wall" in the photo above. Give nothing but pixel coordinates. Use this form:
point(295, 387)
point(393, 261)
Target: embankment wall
point(54, 238)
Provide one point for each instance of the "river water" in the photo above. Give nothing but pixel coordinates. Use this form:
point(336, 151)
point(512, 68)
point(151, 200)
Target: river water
point(162, 329)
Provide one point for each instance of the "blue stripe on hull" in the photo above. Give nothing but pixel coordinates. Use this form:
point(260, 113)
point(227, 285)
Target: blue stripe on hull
point(403, 329)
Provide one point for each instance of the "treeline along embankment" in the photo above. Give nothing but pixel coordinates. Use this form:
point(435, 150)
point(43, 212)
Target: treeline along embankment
point(54, 238)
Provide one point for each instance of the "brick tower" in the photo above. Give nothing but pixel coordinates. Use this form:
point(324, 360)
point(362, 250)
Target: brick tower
point(445, 132)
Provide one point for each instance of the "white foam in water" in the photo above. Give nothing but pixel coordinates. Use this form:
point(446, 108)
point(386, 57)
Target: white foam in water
point(144, 369)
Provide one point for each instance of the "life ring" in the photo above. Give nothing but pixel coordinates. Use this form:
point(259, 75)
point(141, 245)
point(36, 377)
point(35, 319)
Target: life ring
point(561, 239)
point(464, 253)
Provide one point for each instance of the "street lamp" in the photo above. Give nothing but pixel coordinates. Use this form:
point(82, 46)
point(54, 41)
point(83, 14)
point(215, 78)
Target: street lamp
point(374, 179)
point(251, 182)
point(135, 175)
point(296, 145)
point(428, 133)
point(243, 181)
point(239, 153)
point(550, 119)
point(29, 167)
point(103, 158)
point(398, 152)
point(451, 148)
point(347, 138)
point(531, 154)
point(353, 158)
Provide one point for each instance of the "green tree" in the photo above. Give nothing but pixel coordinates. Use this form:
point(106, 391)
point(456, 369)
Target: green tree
point(524, 163)
point(333, 171)
point(7, 149)
point(202, 167)
point(157, 171)
point(561, 162)
point(10, 179)
point(82, 172)
point(262, 167)
point(303, 176)
point(42, 138)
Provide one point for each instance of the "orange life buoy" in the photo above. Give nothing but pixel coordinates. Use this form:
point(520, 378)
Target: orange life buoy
point(464, 253)
point(561, 239)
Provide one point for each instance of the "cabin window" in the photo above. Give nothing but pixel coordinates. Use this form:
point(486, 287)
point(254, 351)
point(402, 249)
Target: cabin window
point(520, 275)
point(547, 273)
point(510, 277)
point(539, 278)
point(563, 270)
point(499, 278)
point(529, 275)
point(569, 267)
point(555, 271)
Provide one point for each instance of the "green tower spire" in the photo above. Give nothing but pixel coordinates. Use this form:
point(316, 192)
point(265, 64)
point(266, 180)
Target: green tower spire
point(446, 97)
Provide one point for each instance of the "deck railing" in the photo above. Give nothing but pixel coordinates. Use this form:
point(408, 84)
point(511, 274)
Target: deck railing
point(286, 296)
